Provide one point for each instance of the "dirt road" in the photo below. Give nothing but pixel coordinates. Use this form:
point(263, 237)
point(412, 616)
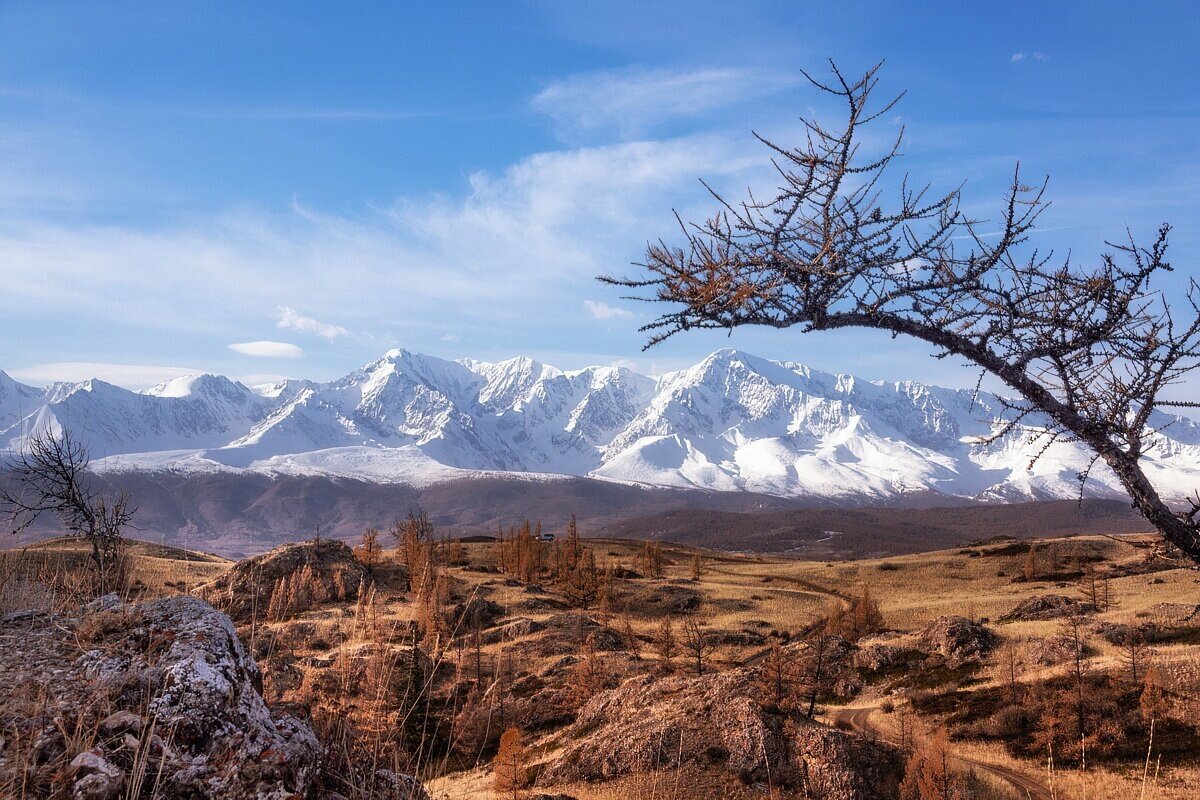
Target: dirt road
point(859, 721)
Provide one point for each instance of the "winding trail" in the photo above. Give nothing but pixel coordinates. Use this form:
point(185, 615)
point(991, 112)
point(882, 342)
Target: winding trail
point(859, 721)
point(806, 589)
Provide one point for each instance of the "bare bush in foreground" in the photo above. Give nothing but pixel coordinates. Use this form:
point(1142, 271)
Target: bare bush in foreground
point(51, 477)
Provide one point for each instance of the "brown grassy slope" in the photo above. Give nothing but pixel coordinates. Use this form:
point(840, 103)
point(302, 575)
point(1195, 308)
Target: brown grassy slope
point(741, 598)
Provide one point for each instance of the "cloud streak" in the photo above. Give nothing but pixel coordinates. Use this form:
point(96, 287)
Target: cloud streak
point(635, 100)
point(598, 309)
point(266, 349)
point(290, 319)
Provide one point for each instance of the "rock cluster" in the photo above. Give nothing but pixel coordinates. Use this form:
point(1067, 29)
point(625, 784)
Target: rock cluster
point(716, 722)
point(1055, 649)
point(1048, 606)
point(173, 700)
point(957, 639)
point(247, 587)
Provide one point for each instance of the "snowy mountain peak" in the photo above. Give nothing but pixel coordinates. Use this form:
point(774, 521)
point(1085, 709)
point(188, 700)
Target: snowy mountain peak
point(203, 384)
point(732, 422)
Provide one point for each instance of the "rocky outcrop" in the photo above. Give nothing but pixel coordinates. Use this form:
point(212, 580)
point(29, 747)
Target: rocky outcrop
point(1055, 650)
point(173, 699)
point(247, 587)
point(1048, 606)
point(218, 738)
point(716, 722)
point(882, 657)
point(477, 611)
point(957, 639)
point(674, 596)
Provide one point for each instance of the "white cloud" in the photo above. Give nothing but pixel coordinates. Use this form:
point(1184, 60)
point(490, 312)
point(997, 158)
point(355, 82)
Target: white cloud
point(635, 99)
point(132, 376)
point(291, 319)
point(451, 337)
point(267, 349)
point(598, 309)
point(516, 247)
point(1016, 58)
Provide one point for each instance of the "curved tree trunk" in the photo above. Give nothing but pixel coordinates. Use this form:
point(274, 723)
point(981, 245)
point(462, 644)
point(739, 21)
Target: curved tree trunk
point(1181, 532)
point(1175, 529)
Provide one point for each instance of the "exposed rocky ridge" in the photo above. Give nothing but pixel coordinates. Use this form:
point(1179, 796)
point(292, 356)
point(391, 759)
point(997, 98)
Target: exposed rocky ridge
point(714, 721)
point(957, 639)
point(173, 697)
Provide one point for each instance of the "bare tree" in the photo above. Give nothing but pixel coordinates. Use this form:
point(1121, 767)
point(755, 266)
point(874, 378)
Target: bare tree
point(818, 665)
point(697, 643)
point(1087, 350)
point(776, 677)
point(51, 477)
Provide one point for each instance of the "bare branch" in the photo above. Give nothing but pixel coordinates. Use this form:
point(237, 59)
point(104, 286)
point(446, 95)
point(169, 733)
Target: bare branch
point(1090, 349)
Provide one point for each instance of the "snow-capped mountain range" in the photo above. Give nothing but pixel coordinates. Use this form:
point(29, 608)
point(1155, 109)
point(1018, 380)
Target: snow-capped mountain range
point(733, 422)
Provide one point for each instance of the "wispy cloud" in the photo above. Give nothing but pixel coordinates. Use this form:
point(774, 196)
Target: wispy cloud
point(598, 309)
point(133, 376)
point(451, 337)
point(634, 100)
point(1017, 58)
point(520, 240)
point(290, 319)
point(264, 349)
point(299, 114)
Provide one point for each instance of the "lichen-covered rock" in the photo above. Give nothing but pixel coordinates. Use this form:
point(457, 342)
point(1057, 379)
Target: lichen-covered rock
point(220, 738)
point(247, 587)
point(1048, 606)
point(652, 723)
point(716, 722)
point(957, 639)
point(838, 766)
point(396, 786)
point(169, 692)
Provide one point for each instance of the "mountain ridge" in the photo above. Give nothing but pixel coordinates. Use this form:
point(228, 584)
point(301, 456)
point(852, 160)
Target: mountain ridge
point(733, 422)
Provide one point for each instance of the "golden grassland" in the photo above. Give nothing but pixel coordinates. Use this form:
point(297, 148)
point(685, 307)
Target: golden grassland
point(738, 593)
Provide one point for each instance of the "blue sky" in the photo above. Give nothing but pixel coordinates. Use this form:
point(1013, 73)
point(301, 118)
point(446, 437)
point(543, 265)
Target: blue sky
point(316, 183)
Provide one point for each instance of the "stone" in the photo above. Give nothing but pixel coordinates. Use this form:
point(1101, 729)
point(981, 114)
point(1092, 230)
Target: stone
point(959, 640)
point(1047, 606)
point(120, 721)
point(715, 722)
point(95, 778)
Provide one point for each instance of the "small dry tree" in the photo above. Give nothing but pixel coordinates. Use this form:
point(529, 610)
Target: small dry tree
point(1087, 350)
point(509, 766)
point(51, 477)
point(698, 644)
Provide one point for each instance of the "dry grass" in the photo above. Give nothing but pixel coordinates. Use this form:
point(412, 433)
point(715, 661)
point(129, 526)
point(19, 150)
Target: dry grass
point(1161, 781)
point(739, 594)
